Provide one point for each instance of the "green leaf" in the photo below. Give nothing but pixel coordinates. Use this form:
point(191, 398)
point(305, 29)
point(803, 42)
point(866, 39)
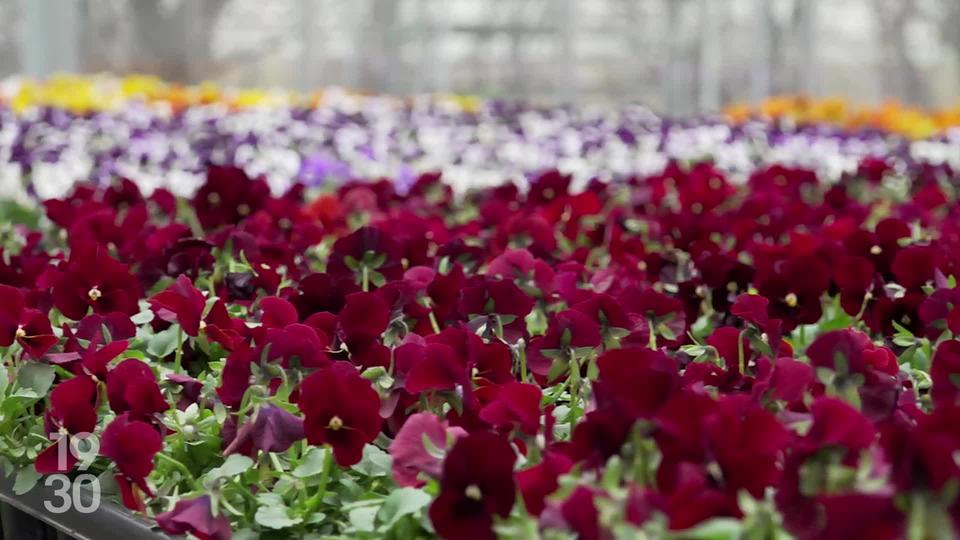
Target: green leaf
point(234, 465)
point(37, 377)
point(361, 519)
point(26, 479)
point(163, 344)
point(275, 517)
point(402, 502)
point(375, 462)
point(312, 463)
point(715, 529)
point(4, 380)
point(143, 317)
point(15, 213)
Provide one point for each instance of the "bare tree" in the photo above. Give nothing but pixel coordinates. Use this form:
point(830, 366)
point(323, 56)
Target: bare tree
point(169, 38)
point(899, 72)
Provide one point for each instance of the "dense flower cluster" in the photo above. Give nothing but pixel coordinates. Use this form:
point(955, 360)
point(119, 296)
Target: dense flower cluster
point(663, 353)
point(71, 131)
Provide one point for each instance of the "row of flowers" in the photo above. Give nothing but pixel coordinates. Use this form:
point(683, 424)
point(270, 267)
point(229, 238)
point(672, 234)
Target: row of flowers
point(48, 145)
point(670, 355)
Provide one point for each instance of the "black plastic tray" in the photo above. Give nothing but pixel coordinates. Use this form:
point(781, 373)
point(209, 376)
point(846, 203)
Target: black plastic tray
point(24, 517)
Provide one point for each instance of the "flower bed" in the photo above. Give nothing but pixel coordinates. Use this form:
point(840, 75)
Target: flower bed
point(673, 355)
point(682, 329)
point(159, 136)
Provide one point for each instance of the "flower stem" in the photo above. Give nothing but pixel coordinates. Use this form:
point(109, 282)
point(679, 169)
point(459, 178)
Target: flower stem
point(182, 468)
point(523, 363)
point(574, 390)
point(178, 357)
point(314, 502)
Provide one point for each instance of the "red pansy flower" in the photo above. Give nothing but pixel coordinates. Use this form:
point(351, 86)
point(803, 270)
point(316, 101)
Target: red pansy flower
point(72, 412)
point(131, 445)
point(477, 484)
point(411, 457)
point(195, 517)
point(341, 409)
point(28, 327)
point(91, 278)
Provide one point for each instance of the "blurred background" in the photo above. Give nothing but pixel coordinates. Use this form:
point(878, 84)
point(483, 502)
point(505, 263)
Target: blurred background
point(677, 56)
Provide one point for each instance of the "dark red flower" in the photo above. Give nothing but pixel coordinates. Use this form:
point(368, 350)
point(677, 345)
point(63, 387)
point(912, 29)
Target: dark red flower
point(363, 318)
point(195, 516)
point(515, 405)
point(277, 312)
point(567, 332)
point(271, 429)
point(837, 424)
point(297, 345)
point(539, 481)
point(434, 366)
point(914, 265)
point(72, 412)
point(411, 457)
point(228, 196)
point(635, 382)
point(181, 302)
point(91, 278)
point(945, 372)
point(28, 327)
point(746, 441)
point(132, 387)
point(366, 254)
point(477, 484)
point(493, 302)
point(341, 409)
point(131, 445)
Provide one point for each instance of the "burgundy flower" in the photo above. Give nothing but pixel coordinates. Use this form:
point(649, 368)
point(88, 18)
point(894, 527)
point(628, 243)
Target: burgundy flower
point(195, 516)
point(568, 331)
point(915, 265)
point(117, 326)
point(580, 514)
point(515, 405)
point(367, 251)
point(746, 441)
point(856, 360)
point(433, 366)
point(477, 483)
point(228, 196)
point(693, 499)
point(72, 412)
point(271, 429)
point(95, 359)
point(342, 409)
point(363, 318)
point(131, 445)
point(491, 362)
point(236, 375)
point(297, 342)
point(28, 327)
point(539, 481)
point(91, 278)
point(181, 302)
point(945, 372)
point(322, 292)
point(858, 516)
point(277, 312)
point(837, 424)
point(132, 387)
point(635, 382)
point(487, 299)
point(411, 457)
